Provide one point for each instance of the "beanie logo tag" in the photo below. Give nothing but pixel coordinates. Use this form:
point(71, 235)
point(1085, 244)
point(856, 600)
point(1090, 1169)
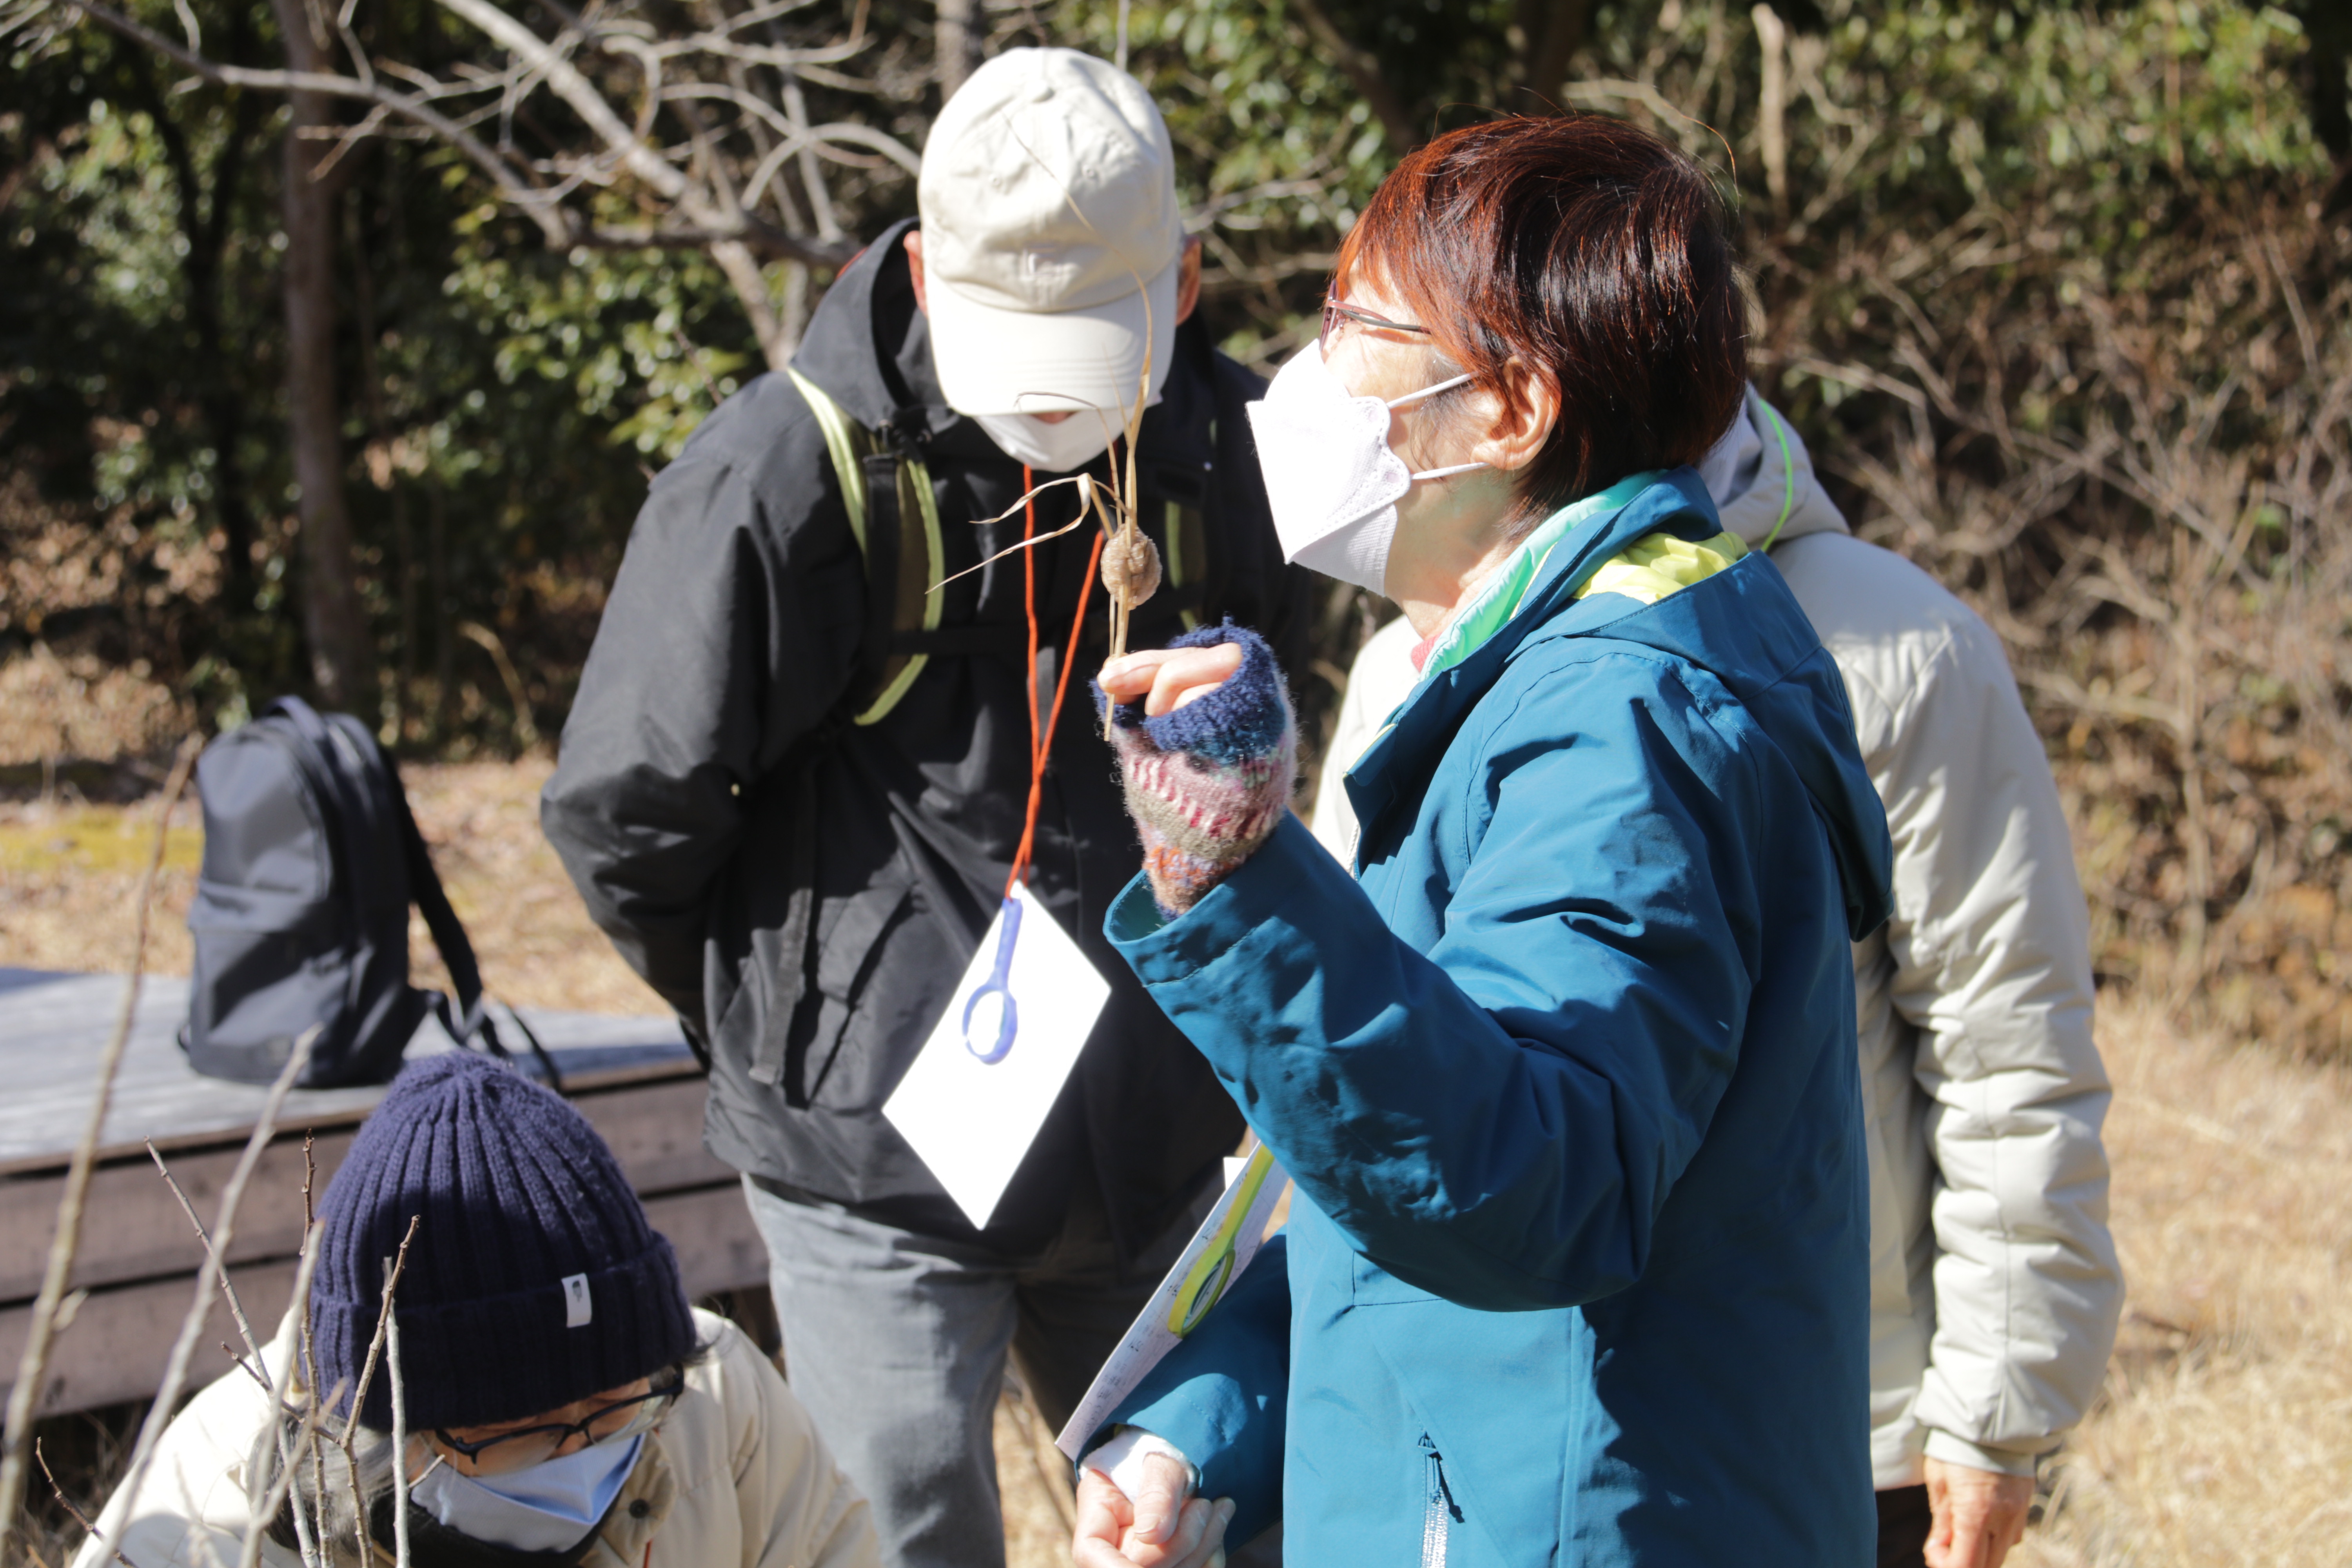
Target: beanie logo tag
point(578, 1306)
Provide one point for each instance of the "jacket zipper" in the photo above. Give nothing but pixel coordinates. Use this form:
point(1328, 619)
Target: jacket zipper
point(1438, 1512)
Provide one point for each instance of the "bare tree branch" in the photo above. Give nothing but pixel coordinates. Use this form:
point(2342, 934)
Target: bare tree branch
point(509, 186)
point(700, 221)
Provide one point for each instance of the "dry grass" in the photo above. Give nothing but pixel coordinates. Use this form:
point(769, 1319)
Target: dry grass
point(1034, 1481)
point(68, 869)
point(2225, 1435)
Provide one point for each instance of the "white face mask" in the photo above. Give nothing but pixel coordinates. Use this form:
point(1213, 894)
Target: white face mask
point(1331, 479)
point(1056, 448)
point(543, 1507)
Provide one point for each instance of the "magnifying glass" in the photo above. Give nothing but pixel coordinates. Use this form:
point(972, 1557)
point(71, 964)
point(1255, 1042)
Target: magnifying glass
point(1213, 1269)
point(999, 985)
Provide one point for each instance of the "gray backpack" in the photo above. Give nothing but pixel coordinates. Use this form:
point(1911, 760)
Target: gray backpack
point(300, 917)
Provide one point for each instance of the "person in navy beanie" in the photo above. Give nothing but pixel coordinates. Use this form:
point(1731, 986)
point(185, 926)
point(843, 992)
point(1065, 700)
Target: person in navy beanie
point(563, 1403)
point(534, 1279)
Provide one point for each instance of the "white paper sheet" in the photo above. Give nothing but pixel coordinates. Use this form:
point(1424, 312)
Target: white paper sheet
point(1200, 1280)
point(972, 1121)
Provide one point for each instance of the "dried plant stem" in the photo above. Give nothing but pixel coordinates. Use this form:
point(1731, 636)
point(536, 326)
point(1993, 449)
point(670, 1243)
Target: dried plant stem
point(399, 1381)
point(258, 1367)
point(305, 1361)
point(319, 1413)
point(1085, 489)
point(391, 1272)
point(40, 1335)
point(228, 1290)
point(289, 1451)
point(249, 1550)
point(67, 1504)
point(208, 1278)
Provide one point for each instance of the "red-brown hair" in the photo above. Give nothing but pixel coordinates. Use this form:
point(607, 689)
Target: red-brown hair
point(1592, 253)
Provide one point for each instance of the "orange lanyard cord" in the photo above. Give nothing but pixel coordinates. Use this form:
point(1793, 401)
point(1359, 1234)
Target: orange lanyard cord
point(1041, 741)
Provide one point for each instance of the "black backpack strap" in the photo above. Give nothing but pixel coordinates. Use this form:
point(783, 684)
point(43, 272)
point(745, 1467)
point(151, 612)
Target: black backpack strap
point(470, 1017)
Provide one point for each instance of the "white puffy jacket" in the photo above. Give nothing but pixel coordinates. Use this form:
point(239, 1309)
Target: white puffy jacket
point(1994, 1286)
point(735, 1476)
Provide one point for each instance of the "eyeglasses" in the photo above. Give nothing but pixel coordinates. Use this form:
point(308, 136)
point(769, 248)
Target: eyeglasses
point(528, 1445)
point(1334, 312)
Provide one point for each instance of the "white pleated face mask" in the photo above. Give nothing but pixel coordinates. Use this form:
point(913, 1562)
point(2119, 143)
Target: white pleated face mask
point(545, 1508)
point(1060, 447)
point(1331, 479)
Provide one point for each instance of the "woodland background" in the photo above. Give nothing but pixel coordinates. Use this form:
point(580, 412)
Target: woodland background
point(354, 390)
point(2057, 292)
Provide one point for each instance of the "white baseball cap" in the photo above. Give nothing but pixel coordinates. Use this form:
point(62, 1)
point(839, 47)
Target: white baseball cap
point(1051, 236)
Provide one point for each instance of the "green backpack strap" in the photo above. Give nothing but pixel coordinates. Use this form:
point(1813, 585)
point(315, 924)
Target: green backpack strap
point(1185, 561)
point(887, 491)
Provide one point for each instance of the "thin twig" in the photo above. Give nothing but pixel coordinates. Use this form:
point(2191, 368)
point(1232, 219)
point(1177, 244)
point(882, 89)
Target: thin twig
point(1087, 488)
point(67, 1504)
point(399, 1438)
point(175, 1371)
point(228, 1290)
point(289, 1451)
point(250, 1369)
point(309, 1373)
point(40, 1334)
point(392, 1268)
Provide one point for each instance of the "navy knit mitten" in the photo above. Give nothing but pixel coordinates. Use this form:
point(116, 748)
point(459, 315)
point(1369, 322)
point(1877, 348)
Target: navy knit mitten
point(1207, 782)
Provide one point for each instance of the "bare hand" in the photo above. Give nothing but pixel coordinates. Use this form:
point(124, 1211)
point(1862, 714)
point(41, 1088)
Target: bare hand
point(1979, 1514)
point(1168, 678)
point(1157, 1528)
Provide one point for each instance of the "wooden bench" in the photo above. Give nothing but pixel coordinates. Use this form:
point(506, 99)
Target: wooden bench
point(633, 1078)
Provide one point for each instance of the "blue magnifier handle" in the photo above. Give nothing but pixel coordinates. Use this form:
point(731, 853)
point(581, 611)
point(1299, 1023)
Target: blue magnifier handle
point(999, 984)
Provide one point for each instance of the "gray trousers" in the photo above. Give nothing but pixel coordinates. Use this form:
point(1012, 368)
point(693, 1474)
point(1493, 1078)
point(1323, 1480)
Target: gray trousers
point(896, 1344)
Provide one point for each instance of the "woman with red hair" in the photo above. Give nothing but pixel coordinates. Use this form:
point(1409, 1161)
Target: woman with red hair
point(1565, 1072)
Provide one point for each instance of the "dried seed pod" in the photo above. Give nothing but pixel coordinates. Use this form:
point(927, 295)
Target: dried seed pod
point(1131, 567)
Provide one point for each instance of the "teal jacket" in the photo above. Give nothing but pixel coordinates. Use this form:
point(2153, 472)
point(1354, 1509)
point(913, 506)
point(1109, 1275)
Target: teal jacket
point(1576, 1268)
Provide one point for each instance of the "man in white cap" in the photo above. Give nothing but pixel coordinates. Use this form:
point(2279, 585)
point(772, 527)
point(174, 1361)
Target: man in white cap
point(795, 781)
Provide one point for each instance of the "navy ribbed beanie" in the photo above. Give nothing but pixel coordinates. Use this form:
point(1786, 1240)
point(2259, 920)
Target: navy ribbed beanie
point(534, 1281)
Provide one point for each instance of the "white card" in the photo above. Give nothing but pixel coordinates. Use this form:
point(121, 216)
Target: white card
point(1213, 1260)
point(1031, 1007)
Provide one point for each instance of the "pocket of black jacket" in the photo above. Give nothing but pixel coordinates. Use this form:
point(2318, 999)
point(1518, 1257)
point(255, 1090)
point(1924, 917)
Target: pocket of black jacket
point(831, 1055)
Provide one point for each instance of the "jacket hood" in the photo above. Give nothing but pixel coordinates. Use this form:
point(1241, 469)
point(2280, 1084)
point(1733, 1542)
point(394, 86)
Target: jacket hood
point(1761, 480)
point(871, 348)
point(1742, 625)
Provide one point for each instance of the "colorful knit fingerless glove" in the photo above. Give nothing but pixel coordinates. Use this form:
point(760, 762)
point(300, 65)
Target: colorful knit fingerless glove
point(1207, 782)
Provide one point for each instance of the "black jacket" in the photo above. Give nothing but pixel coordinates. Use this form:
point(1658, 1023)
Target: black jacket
point(712, 715)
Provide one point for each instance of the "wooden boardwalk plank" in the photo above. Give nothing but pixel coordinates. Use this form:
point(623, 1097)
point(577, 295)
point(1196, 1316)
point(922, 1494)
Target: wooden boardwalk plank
point(116, 1346)
point(53, 1027)
point(632, 1078)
